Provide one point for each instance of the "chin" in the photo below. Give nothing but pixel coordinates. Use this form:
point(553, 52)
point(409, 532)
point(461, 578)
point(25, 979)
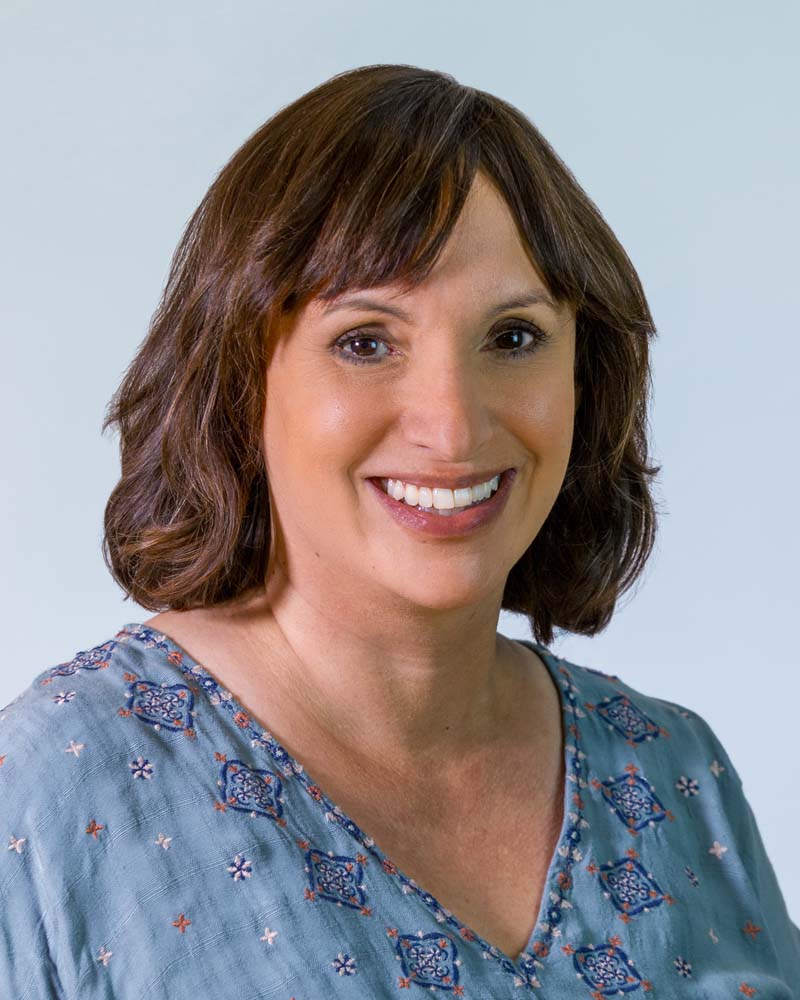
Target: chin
point(446, 597)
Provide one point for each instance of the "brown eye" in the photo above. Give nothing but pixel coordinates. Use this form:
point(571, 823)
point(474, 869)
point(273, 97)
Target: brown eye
point(517, 332)
point(360, 343)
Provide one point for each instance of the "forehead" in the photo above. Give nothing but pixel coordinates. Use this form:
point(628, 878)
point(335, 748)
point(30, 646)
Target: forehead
point(484, 256)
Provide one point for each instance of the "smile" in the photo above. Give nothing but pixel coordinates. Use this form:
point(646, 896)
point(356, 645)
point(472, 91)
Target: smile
point(459, 520)
point(440, 500)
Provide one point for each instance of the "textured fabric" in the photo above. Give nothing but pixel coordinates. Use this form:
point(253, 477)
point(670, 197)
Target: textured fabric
point(161, 844)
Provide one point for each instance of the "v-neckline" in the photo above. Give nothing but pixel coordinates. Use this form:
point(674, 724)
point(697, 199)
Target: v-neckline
point(558, 880)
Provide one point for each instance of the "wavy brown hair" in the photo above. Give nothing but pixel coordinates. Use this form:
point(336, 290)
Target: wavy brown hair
point(359, 182)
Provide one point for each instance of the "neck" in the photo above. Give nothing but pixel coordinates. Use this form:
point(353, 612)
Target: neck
point(397, 690)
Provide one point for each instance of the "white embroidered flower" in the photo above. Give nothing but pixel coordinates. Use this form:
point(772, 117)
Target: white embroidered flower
point(240, 868)
point(344, 965)
point(682, 967)
point(687, 786)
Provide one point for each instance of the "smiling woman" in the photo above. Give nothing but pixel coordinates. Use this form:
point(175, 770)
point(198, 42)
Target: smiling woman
point(398, 382)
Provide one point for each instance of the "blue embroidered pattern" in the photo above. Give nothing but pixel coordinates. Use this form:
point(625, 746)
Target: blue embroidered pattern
point(160, 705)
point(629, 887)
point(607, 969)
point(97, 658)
point(336, 877)
point(251, 790)
point(628, 720)
point(634, 801)
point(428, 960)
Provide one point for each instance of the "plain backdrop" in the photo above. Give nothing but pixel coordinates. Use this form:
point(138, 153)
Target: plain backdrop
point(679, 120)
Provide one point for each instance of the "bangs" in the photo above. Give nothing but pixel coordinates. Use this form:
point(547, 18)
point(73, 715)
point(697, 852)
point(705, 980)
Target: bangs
point(393, 232)
point(385, 194)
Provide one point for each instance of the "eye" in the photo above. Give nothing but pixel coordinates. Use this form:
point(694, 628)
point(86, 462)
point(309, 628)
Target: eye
point(519, 329)
point(361, 341)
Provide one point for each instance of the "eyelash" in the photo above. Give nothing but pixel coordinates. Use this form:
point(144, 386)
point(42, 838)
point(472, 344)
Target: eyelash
point(539, 336)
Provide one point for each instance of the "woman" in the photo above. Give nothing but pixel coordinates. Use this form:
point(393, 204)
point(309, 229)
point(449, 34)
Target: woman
point(397, 382)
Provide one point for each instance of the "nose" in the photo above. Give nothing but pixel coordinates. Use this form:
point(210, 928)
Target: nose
point(448, 407)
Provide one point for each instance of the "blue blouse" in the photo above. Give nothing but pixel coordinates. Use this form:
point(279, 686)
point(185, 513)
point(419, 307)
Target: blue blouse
point(162, 844)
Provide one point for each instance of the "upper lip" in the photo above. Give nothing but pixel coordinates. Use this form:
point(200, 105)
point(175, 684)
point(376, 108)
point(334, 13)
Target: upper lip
point(442, 479)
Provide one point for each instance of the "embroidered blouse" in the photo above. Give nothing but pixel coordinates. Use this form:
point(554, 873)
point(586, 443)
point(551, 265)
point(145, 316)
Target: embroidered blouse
point(161, 843)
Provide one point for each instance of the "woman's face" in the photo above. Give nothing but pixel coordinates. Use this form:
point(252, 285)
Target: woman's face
point(438, 396)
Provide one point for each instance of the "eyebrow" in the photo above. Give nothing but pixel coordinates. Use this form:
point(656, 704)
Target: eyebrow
point(522, 300)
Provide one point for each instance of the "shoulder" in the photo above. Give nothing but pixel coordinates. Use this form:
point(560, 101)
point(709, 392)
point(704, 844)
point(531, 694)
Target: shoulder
point(77, 747)
point(634, 719)
point(44, 733)
point(41, 716)
point(84, 683)
point(76, 716)
point(657, 769)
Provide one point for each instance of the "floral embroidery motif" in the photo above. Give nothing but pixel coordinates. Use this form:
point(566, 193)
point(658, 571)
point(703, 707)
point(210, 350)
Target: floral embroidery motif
point(141, 768)
point(630, 888)
point(336, 877)
point(687, 786)
point(240, 868)
point(94, 828)
point(633, 800)
point(344, 964)
point(169, 705)
point(149, 638)
point(628, 720)
point(96, 658)
point(429, 960)
point(250, 790)
point(607, 970)
point(103, 956)
point(683, 968)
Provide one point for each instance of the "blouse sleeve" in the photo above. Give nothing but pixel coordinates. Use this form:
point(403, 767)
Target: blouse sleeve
point(783, 933)
point(778, 929)
point(27, 970)
point(28, 919)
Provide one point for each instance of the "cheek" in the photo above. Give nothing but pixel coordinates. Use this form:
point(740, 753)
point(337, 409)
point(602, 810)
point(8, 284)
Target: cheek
point(314, 424)
point(542, 416)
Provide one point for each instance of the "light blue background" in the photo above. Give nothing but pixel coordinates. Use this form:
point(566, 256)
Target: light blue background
point(679, 119)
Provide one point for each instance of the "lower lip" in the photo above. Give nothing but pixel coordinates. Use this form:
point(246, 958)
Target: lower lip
point(455, 526)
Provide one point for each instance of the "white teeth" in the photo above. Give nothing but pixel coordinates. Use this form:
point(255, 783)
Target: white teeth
point(439, 498)
point(443, 499)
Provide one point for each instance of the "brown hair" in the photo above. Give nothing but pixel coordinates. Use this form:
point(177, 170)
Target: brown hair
point(360, 182)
